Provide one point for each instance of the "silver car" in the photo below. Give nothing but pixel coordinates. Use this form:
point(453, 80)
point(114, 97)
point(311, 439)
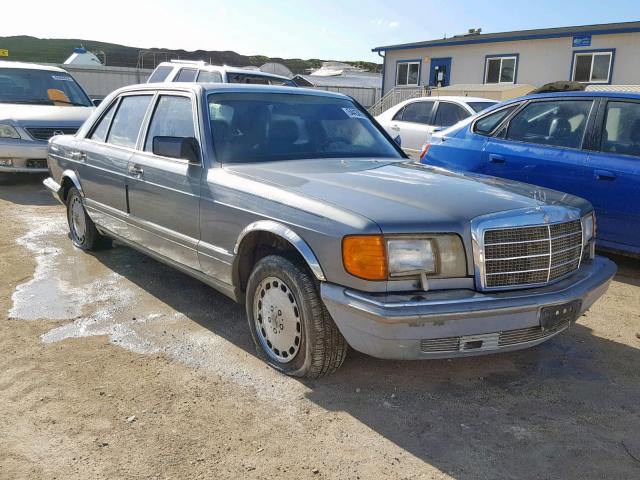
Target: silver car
point(299, 205)
point(36, 103)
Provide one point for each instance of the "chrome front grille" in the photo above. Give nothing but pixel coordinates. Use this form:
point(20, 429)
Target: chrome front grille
point(45, 133)
point(531, 255)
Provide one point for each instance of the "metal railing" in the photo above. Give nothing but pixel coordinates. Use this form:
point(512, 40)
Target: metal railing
point(395, 96)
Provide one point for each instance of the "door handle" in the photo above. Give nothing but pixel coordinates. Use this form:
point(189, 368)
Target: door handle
point(604, 175)
point(78, 155)
point(135, 171)
point(498, 159)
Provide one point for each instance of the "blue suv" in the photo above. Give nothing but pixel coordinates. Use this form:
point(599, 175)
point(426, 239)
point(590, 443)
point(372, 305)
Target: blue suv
point(583, 143)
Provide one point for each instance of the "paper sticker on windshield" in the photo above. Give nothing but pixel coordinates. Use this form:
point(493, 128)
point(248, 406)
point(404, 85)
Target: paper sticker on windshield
point(59, 77)
point(354, 113)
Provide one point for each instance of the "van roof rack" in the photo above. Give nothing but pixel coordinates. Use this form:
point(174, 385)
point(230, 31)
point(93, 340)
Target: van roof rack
point(190, 62)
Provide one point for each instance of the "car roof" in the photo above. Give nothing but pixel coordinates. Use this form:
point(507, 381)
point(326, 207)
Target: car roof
point(579, 94)
point(451, 98)
point(201, 65)
point(229, 88)
point(30, 66)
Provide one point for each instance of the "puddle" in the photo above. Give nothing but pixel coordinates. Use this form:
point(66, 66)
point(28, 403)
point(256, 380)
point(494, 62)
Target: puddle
point(69, 284)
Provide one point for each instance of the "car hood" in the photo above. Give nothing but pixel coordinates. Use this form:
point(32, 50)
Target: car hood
point(403, 196)
point(19, 114)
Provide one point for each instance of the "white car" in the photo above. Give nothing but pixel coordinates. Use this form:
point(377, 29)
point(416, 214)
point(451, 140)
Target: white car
point(202, 72)
point(36, 103)
point(414, 120)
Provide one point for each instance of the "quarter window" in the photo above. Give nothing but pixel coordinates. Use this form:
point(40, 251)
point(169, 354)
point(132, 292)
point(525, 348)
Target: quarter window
point(416, 112)
point(621, 133)
point(487, 124)
point(449, 114)
point(560, 123)
point(186, 75)
point(209, 77)
point(500, 69)
point(100, 132)
point(592, 67)
point(173, 117)
point(126, 124)
point(408, 73)
point(160, 74)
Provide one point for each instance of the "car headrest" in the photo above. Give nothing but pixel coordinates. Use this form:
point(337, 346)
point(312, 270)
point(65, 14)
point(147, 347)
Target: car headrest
point(560, 127)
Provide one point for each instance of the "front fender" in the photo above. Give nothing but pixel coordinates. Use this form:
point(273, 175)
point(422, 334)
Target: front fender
point(289, 235)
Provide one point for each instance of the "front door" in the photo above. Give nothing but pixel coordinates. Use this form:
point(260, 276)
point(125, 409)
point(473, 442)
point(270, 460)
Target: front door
point(440, 73)
point(164, 193)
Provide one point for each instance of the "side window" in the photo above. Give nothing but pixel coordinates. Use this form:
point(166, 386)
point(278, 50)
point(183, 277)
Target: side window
point(186, 75)
point(418, 112)
point(160, 74)
point(126, 124)
point(209, 77)
point(621, 134)
point(485, 125)
point(173, 117)
point(100, 132)
point(449, 114)
point(559, 123)
point(246, 78)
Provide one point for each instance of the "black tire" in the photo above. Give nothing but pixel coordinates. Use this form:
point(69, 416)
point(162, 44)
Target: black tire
point(90, 238)
point(322, 348)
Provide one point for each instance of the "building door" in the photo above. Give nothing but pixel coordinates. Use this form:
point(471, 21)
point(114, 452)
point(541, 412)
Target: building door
point(440, 72)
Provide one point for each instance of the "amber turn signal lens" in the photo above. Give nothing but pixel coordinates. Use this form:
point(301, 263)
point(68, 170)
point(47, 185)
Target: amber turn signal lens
point(364, 256)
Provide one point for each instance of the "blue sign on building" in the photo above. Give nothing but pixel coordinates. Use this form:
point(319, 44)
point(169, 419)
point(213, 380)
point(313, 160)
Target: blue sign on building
point(582, 41)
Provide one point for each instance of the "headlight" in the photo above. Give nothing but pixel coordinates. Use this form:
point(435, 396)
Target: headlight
point(374, 257)
point(8, 131)
point(588, 227)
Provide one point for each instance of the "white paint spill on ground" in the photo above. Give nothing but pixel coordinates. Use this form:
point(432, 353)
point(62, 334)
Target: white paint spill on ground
point(108, 304)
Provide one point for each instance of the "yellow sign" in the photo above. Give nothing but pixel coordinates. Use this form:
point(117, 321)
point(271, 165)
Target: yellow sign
point(4, 53)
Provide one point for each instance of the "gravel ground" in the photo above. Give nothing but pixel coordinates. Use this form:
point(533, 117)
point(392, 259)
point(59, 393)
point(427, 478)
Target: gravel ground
point(115, 366)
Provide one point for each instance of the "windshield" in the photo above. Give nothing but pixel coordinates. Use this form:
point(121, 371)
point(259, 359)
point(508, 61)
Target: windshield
point(479, 106)
point(257, 79)
point(263, 127)
point(41, 87)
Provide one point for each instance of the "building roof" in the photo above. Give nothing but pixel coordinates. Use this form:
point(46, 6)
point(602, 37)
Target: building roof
point(471, 38)
point(359, 80)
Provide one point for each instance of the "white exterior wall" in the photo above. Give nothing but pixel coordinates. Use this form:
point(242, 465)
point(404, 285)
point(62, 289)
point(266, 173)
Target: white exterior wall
point(540, 61)
point(99, 82)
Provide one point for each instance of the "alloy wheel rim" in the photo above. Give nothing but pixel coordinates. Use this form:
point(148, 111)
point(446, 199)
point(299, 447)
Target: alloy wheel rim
point(277, 320)
point(78, 221)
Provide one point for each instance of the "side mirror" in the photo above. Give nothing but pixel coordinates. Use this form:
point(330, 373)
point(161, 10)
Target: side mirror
point(186, 148)
point(398, 140)
point(96, 101)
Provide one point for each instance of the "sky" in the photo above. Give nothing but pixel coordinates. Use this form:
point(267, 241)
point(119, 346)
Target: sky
point(337, 30)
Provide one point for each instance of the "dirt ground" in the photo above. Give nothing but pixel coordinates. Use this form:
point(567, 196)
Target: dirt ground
point(115, 366)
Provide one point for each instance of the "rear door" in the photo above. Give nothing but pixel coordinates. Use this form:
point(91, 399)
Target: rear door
point(613, 174)
point(164, 193)
point(542, 144)
point(414, 125)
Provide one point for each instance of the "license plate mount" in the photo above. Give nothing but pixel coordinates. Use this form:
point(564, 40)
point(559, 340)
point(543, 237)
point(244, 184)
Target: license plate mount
point(555, 315)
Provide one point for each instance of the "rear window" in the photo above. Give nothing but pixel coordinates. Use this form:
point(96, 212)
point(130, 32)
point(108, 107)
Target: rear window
point(479, 106)
point(259, 127)
point(160, 74)
point(256, 79)
point(186, 75)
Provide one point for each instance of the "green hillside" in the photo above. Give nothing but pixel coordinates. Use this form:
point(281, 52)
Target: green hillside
point(32, 49)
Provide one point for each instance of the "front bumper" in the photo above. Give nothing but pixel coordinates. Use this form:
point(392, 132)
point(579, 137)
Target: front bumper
point(26, 156)
point(453, 323)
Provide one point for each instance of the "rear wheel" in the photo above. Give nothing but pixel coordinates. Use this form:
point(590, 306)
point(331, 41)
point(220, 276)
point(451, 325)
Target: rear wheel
point(290, 325)
point(84, 234)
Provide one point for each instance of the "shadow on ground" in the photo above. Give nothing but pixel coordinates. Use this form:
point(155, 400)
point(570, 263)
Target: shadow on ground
point(26, 189)
point(565, 409)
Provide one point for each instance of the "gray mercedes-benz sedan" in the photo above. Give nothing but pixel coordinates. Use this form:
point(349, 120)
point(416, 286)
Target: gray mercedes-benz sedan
point(296, 203)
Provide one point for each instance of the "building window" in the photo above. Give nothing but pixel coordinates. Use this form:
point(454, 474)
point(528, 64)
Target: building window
point(408, 73)
point(592, 67)
point(500, 69)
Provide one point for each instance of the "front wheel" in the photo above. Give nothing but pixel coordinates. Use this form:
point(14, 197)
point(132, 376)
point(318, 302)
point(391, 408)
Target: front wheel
point(84, 234)
point(290, 325)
